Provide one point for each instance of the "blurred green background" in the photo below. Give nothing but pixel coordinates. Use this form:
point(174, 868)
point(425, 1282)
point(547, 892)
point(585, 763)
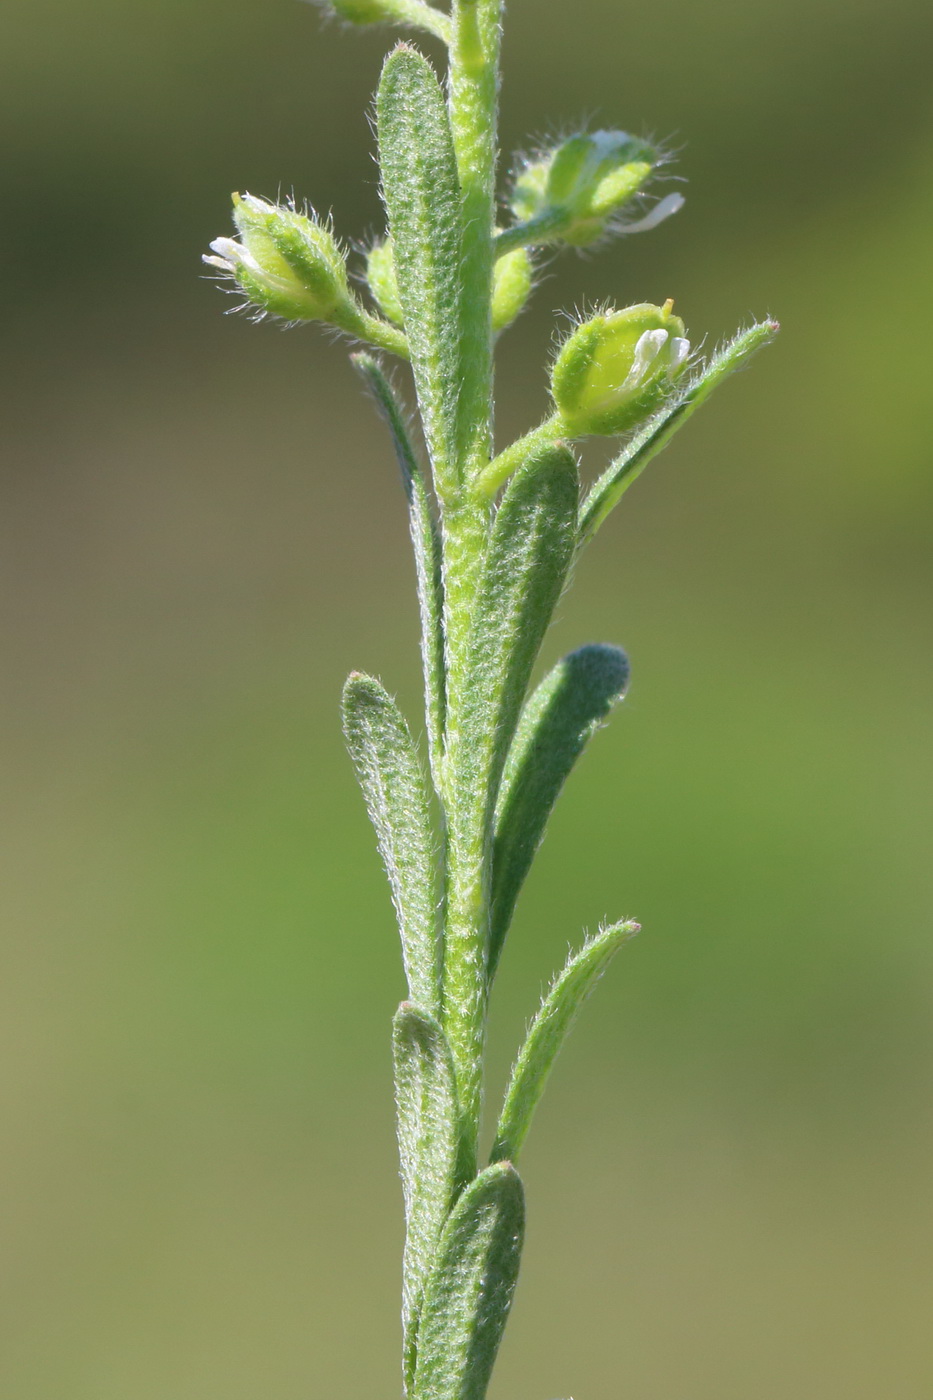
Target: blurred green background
point(730, 1180)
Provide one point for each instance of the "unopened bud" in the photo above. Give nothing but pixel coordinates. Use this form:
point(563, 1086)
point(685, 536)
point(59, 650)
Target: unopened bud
point(512, 281)
point(580, 186)
point(614, 370)
point(286, 263)
point(383, 282)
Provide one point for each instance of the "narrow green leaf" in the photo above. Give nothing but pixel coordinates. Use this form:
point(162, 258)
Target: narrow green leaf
point(428, 1138)
point(529, 552)
point(422, 196)
point(469, 1293)
point(658, 431)
point(547, 1033)
point(396, 795)
point(556, 724)
point(427, 546)
point(527, 559)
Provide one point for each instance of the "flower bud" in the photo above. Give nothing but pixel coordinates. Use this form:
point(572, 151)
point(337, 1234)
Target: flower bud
point(580, 185)
point(617, 368)
point(287, 263)
point(511, 284)
point(512, 280)
point(383, 282)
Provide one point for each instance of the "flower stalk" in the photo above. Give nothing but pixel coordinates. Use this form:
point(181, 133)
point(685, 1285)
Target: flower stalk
point(495, 537)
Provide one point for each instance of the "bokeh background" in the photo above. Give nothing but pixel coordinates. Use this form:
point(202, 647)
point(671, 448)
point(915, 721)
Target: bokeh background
point(730, 1179)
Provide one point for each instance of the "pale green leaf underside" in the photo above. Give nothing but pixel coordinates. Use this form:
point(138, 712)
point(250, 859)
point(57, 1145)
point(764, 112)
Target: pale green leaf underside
point(469, 1293)
point(393, 784)
point(547, 1033)
point(428, 1135)
point(422, 196)
point(659, 430)
point(427, 548)
point(555, 726)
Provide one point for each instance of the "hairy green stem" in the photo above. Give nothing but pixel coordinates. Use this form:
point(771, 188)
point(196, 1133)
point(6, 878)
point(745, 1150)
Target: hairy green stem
point(473, 104)
point(509, 460)
point(544, 229)
point(372, 330)
point(466, 876)
point(421, 16)
point(473, 101)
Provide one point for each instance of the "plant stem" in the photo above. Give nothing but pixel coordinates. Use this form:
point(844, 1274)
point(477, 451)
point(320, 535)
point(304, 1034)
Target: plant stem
point(372, 330)
point(422, 16)
point(508, 461)
point(543, 229)
point(473, 102)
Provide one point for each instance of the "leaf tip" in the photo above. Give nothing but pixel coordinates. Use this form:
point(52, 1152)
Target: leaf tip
point(626, 928)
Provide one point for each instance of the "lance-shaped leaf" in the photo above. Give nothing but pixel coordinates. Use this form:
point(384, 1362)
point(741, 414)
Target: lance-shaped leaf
point(547, 1033)
point(393, 784)
point(426, 542)
point(469, 1293)
point(659, 430)
point(556, 724)
point(428, 1139)
point(529, 553)
point(527, 558)
point(422, 196)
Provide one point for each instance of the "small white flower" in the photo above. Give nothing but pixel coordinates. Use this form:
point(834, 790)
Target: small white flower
point(647, 349)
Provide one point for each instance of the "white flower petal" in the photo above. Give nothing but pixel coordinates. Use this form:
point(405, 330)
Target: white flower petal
point(662, 210)
point(680, 349)
point(647, 349)
point(227, 248)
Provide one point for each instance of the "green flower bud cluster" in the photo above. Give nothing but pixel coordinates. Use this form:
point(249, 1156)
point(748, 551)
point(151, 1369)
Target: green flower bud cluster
point(611, 374)
point(512, 283)
point(290, 264)
point(286, 263)
point(616, 369)
point(574, 192)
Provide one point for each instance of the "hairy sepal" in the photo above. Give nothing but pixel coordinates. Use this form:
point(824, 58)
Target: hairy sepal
point(470, 1290)
point(658, 431)
point(557, 722)
point(422, 197)
point(547, 1033)
point(428, 1139)
point(427, 548)
point(396, 793)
